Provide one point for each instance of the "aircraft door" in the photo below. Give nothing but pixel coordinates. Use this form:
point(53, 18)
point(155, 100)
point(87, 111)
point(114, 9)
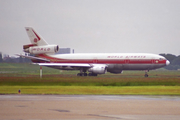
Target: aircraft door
point(95, 60)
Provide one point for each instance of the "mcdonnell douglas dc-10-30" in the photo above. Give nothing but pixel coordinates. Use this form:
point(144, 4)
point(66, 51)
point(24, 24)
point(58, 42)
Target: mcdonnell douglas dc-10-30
point(93, 63)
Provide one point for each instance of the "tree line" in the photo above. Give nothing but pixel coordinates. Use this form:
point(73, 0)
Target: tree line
point(14, 60)
point(174, 61)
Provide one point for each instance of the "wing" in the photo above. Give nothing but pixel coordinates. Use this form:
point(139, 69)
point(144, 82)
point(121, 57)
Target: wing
point(62, 66)
point(65, 66)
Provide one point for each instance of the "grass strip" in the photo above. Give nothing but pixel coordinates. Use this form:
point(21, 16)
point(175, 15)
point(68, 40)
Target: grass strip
point(92, 90)
point(88, 81)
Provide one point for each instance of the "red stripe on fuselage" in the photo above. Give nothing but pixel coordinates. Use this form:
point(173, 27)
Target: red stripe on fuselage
point(104, 61)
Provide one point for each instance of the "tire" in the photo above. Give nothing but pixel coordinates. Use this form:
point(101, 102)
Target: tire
point(90, 74)
point(85, 74)
point(146, 75)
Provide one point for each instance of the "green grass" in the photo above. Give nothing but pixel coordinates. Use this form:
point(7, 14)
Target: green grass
point(15, 76)
point(92, 90)
point(66, 80)
point(23, 69)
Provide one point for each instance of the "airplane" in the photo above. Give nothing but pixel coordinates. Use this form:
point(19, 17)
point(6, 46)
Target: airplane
point(94, 63)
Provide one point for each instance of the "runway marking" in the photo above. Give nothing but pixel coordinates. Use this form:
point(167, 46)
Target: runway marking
point(103, 116)
point(59, 110)
point(20, 106)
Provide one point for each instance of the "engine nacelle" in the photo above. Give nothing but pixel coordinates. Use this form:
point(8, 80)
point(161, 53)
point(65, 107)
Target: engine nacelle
point(100, 69)
point(42, 49)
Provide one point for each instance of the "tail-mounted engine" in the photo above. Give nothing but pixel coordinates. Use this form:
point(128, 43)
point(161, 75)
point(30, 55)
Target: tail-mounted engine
point(34, 49)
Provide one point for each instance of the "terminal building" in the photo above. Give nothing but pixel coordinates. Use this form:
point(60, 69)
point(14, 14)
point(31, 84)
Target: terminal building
point(64, 51)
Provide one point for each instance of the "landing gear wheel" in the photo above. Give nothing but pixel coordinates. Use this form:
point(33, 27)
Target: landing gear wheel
point(82, 74)
point(89, 74)
point(79, 74)
point(85, 74)
point(146, 75)
point(92, 74)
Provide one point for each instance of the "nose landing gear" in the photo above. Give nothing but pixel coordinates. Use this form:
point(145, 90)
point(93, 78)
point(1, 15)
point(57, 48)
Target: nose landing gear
point(146, 73)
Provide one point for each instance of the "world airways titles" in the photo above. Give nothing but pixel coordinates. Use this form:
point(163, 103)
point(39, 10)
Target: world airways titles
point(126, 56)
point(41, 49)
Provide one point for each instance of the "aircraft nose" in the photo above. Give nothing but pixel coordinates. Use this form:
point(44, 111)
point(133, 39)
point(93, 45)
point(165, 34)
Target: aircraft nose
point(167, 62)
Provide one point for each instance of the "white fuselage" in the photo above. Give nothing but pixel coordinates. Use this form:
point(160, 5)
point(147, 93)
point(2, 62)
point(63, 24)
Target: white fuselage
point(115, 62)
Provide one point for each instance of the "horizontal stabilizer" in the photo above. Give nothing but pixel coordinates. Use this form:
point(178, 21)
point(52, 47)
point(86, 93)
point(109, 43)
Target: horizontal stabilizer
point(36, 58)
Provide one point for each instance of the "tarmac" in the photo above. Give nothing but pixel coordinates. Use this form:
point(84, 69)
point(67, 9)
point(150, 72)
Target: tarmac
point(89, 107)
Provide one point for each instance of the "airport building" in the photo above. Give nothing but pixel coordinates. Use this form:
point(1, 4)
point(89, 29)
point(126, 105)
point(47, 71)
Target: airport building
point(64, 51)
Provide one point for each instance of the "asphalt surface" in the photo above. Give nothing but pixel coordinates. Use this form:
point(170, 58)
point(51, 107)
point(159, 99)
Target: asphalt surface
point(91, 107)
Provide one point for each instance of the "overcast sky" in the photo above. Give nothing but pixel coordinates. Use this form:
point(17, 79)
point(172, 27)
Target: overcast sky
point(93, 26)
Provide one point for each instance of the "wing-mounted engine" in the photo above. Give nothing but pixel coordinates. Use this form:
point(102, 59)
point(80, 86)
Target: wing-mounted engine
point(98, 69)
point(34, 49)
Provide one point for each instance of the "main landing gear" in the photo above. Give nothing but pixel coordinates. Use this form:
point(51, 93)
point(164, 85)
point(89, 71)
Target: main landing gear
point(85, 74)
point(92, 74)
point(146, 73)
point(82, 74)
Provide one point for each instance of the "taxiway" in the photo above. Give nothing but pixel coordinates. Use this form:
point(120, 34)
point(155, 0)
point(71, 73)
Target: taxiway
point(89, 107)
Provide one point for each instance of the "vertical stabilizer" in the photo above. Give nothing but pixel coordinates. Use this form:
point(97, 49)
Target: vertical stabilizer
point(34, 37)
